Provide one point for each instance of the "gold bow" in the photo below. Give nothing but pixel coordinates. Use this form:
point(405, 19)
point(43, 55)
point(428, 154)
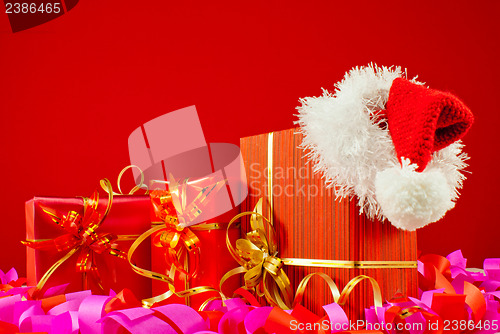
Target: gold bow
point(257, 256)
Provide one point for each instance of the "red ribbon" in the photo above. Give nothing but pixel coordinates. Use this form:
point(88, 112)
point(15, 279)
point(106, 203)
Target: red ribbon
point(450, 305)
point(123, 300)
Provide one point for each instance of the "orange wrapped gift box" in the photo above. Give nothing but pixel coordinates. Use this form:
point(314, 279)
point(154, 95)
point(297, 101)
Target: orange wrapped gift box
point(310, 224)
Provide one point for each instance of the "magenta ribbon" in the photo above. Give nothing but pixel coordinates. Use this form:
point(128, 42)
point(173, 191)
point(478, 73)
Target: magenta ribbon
point(175, 318)
point(79, 313)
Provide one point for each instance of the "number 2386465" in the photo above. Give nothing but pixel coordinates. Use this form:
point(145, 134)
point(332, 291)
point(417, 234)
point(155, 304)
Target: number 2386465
point(32, 8)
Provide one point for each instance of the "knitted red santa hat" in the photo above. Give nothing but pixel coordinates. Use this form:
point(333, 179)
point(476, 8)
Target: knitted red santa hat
point(423, 120)
point(391, 142)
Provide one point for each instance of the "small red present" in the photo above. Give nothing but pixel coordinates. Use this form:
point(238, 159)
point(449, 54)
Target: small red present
point(188, 257)
point(84, 241)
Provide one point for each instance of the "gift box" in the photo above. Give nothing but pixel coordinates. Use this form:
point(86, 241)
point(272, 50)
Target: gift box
point(128, 217)
point(330, 235)
point(194, 255)
point(214, 261)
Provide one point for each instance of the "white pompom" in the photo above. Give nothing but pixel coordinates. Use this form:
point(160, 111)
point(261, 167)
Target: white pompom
point(411, 200)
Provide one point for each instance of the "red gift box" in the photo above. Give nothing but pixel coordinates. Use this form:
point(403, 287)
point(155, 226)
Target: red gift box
point(205, 266)
point(128, 217)
point(311, 224)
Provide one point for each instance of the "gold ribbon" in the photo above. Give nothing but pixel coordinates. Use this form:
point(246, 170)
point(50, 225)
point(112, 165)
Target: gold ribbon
point(263, 269)
point(176, 239)
point(270, 150)
point(81, 236)
point(350, 264)
point(340, 297)
point(132, 191)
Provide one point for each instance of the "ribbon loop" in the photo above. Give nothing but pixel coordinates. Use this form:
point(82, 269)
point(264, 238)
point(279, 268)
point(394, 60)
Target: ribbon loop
point(132, 191)
point(377, 294)
point(299, 295)
point(273, 264)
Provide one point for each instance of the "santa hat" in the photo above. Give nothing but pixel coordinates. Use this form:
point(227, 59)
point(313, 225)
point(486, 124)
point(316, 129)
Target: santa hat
point(423, 120)
point(392, 142)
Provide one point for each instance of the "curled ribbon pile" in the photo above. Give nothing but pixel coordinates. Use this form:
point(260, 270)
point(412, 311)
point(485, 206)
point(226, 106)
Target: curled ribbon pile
point(448, 275)
point(82, 236)
point(452, 299)
point(55, 312)
point(433, 312)
point(10, 283)
point(235, 316)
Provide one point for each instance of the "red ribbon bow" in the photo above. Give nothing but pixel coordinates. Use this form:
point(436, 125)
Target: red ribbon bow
point(81, 235)
point(174, 237)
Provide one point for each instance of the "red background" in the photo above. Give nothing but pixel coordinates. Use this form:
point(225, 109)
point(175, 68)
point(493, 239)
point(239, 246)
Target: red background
point(73, 89)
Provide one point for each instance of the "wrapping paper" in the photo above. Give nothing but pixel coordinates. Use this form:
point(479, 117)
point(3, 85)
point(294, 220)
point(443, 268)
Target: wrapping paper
point(129, 215)
point(311, 224)
point(476, 307)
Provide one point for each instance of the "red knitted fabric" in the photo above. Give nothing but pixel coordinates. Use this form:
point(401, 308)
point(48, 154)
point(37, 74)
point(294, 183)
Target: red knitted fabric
point(423, 120)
